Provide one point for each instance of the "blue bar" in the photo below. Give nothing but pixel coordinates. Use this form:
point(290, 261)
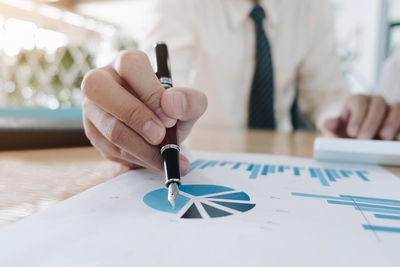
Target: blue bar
point(374, 200)
point(382, 228)
point(236, 166)
point(362, 176)
point(335, 174)
point(330, 176)
point(225, 162)
point(210, 163)
point(321, 176)
point(362, 205)
point(346, 173)
point(378, 210)
point(283, 168)
point(272, 168)
point(265, 170)
point(196, 164)
point(251, 166)
point(317, 196)
point(312, 172)
point(296, 170)
point(254, 171)
point(384, 216)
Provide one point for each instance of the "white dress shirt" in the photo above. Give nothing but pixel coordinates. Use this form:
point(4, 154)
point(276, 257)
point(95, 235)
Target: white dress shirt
point(390, 78)
point(212, 48)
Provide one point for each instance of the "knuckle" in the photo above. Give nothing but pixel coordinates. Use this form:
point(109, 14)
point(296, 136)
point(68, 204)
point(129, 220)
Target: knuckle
point(91, 82)
point(153, 97)
point(134, 116)
point(379, 100)
point(89, 135)
point(357, 99)
point(85, 106)
point(115, 133)
point(396, 108)
point(123, 154)
point(127, 59)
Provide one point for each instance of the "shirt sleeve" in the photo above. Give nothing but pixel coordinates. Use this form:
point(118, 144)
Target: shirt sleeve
point(389, 86)
point(322, 90)
point(172, 22)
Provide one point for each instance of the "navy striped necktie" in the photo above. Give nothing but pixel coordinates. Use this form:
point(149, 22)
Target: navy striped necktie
point(261, 104)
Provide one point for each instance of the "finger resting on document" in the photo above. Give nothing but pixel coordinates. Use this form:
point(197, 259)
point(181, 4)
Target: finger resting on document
point(101, 89)
point(125, 138)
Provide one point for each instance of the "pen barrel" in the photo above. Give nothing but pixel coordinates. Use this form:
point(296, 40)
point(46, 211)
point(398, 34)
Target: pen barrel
point(170, 157)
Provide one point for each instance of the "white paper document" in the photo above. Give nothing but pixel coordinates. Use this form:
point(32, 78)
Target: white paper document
point(233, 210)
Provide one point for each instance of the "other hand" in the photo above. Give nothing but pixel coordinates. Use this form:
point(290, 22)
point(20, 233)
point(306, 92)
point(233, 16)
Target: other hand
point(126, 111)
point(366, 117)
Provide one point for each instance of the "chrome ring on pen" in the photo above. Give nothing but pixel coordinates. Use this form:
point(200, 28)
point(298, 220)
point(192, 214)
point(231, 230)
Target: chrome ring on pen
point(173, 180)
point(170, 146)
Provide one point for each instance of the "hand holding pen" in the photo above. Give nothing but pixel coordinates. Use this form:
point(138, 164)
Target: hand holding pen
point(126, 111)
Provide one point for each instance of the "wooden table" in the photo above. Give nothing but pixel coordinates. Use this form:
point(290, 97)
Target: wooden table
point(37, 179)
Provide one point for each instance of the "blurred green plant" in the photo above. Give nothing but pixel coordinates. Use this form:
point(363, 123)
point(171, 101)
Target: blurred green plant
point(52, 79)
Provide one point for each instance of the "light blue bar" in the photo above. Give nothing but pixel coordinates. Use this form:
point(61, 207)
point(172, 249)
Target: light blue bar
point(196, 164)
point(362, 205)
point(254, 171)
point(374, 200)
point(282, 168)
point(225, 163)
point(296, 170)
point(318, 196)
point(334, 172)
point(345, 173)
point(39, 113)
point(382, 228)
point(272, 168)
point(236, 166)
point(251, 166)
point(384, 216)
point(330, 176)
point(265, 170)
point(377, 210)
point(312, 172)
point(210, 163)
point(362, 176)
point(321, 176)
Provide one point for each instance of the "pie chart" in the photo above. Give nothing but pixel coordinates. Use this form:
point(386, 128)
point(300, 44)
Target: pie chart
point(201, 201)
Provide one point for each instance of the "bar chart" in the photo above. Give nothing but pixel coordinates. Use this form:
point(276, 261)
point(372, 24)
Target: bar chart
point(326, 176)
point(383, 210)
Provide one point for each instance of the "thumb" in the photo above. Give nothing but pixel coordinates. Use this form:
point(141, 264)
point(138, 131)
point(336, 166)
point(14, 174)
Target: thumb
point(183, 104)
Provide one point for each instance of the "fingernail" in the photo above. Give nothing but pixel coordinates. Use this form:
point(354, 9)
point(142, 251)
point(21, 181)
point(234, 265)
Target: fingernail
point(153, 132)
point(168, 122)
point(365, 135)
point(353, 130)
point(179, 104)
point(388, 132)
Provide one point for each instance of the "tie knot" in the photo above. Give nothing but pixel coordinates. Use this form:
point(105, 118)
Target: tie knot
point(258, 14)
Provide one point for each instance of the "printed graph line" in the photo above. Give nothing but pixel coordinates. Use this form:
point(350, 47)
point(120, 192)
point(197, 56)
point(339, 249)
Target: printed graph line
point(326, 176)
point(382, 208)
point(366, 219)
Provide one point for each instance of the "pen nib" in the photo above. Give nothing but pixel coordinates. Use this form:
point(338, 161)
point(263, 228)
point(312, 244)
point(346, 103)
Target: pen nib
point(173, 193)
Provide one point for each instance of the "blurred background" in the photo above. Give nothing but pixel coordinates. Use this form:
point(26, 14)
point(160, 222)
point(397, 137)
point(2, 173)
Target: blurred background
point(46, 46)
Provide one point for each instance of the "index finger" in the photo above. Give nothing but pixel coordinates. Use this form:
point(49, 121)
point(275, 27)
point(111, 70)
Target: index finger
point(134, 67)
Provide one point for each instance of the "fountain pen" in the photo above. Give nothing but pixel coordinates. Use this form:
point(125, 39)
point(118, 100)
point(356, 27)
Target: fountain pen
point(169, 147)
